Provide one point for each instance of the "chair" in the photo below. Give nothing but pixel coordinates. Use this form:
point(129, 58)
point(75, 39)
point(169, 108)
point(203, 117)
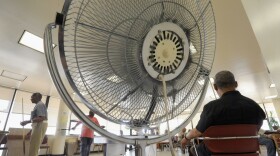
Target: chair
point(164, 145)
point(234, 140)
point(99, 147)
point(46, 147)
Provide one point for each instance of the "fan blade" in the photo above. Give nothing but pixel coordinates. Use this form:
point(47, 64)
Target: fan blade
point(126, 96)
point(153, 103)
point(106, 31)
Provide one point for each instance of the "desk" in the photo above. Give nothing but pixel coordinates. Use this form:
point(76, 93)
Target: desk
point(113, 148)
point(110, 147)
point(3, 140)
point(162, 144)
point(3, 135)
point(271, 132)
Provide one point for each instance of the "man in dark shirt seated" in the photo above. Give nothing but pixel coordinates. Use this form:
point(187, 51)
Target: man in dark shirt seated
point(230, 108)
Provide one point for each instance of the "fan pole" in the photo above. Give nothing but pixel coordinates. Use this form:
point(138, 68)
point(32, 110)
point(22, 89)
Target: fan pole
point(166, 114)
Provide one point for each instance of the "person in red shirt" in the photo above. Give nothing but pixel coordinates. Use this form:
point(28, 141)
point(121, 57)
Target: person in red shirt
point(87, 135)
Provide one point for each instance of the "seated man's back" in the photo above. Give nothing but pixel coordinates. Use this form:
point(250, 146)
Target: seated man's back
point(231, 108)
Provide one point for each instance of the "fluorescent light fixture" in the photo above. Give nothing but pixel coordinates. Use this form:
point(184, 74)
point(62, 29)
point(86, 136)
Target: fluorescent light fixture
point(187, 110)
point(13, 75)
point(212, 97)
point(192, 49)
point(201, 82)
point(272, 85)
point(32, 41)
point(270, 97)
point(211, 80)
point(125, 120)
point(115, 79)
point(83, 93)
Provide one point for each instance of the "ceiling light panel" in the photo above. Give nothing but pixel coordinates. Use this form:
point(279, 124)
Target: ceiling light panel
point(211, 80)
point(272, 85)
point(270, 97)
point(32, 41)
point(13, 75)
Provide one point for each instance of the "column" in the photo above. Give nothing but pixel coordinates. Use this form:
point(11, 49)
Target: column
point(276, 104)
point(60, 135)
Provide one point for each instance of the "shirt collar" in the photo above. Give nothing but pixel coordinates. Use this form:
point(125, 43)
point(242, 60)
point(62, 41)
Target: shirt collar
point(231, 92)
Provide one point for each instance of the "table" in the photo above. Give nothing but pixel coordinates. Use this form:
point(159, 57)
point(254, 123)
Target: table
point(113, 148)
point(163, 144)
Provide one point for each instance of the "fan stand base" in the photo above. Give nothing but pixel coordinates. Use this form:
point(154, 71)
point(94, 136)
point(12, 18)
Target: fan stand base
point(140, 149)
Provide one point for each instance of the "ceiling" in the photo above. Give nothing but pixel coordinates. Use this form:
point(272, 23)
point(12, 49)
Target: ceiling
point(245, 45)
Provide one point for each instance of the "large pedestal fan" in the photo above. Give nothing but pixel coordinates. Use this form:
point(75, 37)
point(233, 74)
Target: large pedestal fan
point(114, 53)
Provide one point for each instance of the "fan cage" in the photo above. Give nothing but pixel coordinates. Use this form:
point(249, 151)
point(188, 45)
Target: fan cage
point(100, 47)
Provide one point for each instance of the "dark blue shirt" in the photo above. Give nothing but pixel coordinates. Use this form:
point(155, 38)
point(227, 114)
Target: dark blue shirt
point(231, 108)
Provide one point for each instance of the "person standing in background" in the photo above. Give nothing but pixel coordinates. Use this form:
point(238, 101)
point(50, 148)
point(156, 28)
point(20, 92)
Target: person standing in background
point(87, 134)
point(39, 120)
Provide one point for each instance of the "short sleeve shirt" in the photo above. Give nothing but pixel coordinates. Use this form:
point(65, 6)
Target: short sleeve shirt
point(86, 131)
point(231, 108)
point(40, 109)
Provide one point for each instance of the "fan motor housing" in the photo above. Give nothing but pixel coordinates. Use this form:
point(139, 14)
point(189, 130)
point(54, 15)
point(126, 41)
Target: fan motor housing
point(165, 51)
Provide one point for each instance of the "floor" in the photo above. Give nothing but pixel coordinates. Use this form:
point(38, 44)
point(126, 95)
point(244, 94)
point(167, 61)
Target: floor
point(168, 153)
point(159, 153)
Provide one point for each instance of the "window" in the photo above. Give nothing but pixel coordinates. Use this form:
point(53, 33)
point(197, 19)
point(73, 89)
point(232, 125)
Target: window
point(271, 113)
point(5, 102)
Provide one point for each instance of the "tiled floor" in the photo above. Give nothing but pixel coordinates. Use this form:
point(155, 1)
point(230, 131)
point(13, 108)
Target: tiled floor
point(159, 153)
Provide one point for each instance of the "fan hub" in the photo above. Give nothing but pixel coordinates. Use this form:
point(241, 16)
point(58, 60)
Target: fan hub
point(165, 55)
point(165, 51)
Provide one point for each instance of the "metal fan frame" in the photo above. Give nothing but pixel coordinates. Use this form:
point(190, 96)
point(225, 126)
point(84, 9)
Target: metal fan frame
point(63, 59)
point(75, 109)
point(50, 57)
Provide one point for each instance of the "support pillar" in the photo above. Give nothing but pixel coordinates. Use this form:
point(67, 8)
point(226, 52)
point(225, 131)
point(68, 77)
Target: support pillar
point(276, 104)
point(61, 126)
